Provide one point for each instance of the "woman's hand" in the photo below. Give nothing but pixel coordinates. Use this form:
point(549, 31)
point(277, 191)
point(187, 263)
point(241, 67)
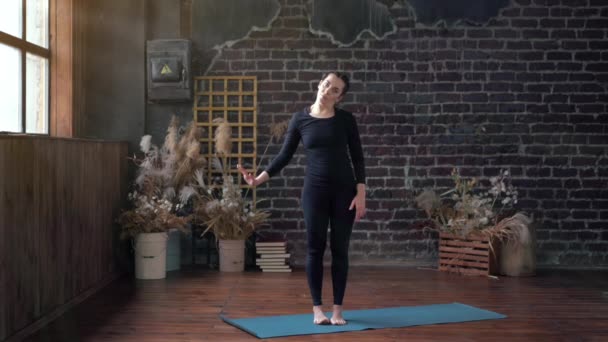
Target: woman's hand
point(359, 202)
point(250, 179)
point(247, 176)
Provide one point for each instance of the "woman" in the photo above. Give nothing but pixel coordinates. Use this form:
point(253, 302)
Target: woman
point(333, 194)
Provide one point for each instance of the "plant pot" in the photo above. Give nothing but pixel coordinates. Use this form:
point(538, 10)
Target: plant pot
point(150, 255)
point(174, 250)
point(473, 255)
point(232, 255)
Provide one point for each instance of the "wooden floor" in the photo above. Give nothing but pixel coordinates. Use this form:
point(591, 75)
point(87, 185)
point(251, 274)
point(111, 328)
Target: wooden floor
point(553, 306)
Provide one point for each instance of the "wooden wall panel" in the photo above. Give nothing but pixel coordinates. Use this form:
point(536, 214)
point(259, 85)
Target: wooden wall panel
point(62, 45)
point(22, 270)
point(3, 248)
point(59, 199)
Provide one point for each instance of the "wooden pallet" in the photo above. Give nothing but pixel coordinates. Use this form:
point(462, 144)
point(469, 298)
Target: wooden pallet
point(468, 256)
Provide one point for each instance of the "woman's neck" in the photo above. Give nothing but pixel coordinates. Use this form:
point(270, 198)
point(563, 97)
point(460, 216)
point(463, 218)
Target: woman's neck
point(318, 110)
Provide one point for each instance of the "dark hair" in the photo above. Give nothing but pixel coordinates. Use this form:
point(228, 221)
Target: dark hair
point(342, 76)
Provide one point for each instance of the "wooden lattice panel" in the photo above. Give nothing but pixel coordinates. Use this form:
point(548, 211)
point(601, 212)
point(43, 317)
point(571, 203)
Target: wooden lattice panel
point(233, 98)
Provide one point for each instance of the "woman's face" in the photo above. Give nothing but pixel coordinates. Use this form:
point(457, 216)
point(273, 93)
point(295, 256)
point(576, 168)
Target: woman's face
point(330, 90)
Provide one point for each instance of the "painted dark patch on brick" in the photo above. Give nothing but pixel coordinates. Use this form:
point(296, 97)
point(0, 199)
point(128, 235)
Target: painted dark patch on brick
point(345, 21)
point(431, 12)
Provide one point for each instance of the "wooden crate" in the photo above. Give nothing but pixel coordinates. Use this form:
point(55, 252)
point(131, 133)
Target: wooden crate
point(469, 256)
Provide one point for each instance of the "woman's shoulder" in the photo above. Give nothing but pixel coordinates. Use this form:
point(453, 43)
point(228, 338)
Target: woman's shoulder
point(301, 113)
point(298, 116)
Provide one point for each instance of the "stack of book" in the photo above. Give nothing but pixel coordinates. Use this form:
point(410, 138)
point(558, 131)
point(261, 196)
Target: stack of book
point(272, 256)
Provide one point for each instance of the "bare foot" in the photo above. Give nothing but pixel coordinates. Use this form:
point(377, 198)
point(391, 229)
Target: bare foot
point(336, 317)
point(319, 316)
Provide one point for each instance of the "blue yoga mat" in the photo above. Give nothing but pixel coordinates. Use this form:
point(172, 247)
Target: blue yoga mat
point(397, 317)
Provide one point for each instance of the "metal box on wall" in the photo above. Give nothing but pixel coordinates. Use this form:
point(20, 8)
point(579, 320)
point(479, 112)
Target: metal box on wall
point(168, 69)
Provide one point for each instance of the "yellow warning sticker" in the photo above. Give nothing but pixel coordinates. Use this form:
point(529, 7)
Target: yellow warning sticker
point(165, 70)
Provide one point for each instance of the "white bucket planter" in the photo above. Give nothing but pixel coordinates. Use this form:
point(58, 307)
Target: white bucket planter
point(150, 255)
point(232, 255)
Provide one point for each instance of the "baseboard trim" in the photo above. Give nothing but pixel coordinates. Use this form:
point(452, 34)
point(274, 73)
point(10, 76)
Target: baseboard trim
point(51, 316)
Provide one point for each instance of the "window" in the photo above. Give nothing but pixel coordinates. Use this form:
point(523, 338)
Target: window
point(24, 63)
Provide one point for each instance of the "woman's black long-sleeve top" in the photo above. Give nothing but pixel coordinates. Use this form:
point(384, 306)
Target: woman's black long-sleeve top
point(327, 142)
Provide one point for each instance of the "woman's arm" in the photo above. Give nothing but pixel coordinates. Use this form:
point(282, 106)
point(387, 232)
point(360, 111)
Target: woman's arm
point(290, 145)
point(356, 155)
point(355, 149)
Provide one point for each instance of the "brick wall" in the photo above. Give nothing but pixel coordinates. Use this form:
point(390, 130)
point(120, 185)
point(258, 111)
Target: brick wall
point(526, 92)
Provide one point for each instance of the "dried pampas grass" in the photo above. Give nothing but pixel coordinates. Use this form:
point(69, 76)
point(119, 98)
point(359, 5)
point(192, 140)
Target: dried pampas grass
point(463, 211)
point(186, 193)
point(221, 206)
point(513, 229)
point(428, 200)
point(153, 218)
point(161, 178)
point(190, 158)
point(145, 143)
point(277, 130)
point(170, 144)
point(223, 137)
point(230, 217)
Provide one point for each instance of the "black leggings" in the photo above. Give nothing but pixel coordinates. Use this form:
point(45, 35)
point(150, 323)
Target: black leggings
point(325, 205)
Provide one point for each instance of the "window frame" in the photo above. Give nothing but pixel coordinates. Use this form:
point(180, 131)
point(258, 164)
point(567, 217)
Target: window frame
point(62, 20)
point(26, 47)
